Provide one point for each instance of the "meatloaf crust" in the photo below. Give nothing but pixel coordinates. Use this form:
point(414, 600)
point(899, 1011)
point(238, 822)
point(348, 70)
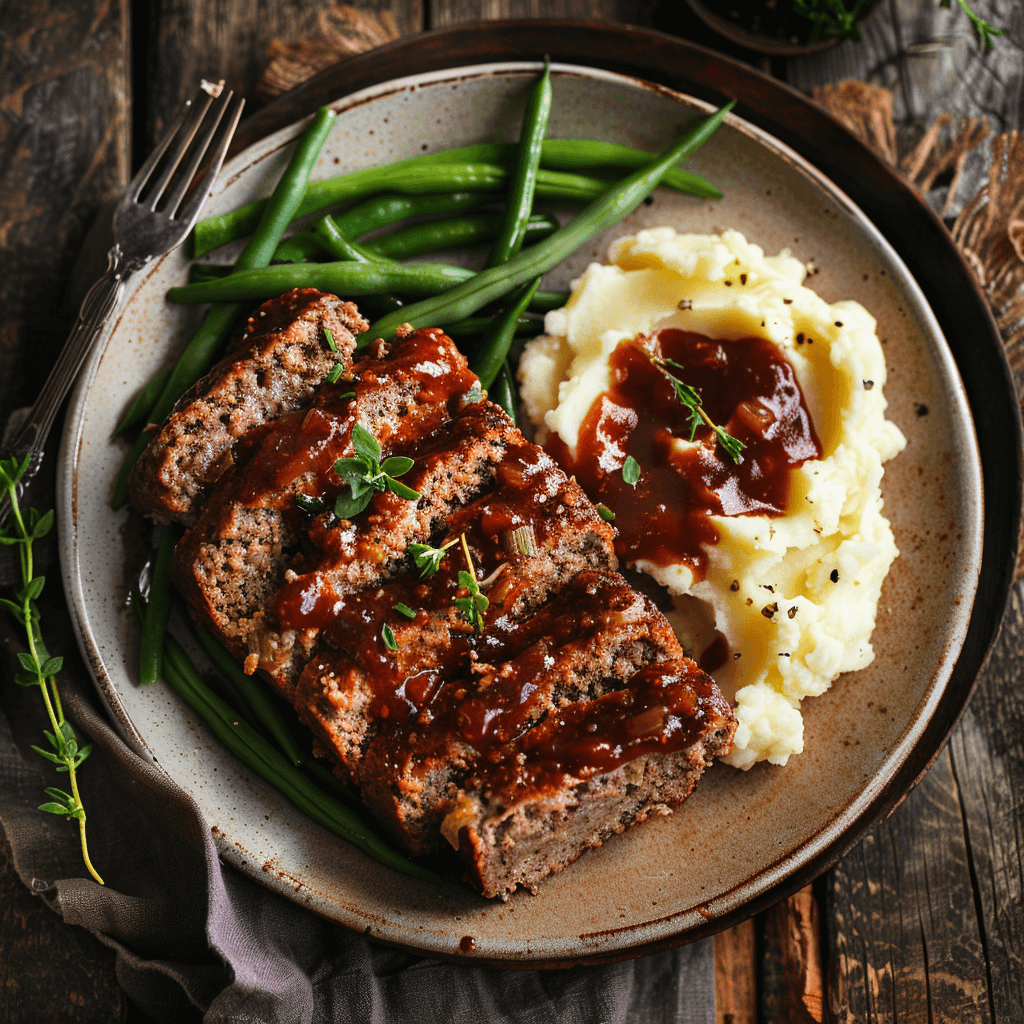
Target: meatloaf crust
point(289, 345)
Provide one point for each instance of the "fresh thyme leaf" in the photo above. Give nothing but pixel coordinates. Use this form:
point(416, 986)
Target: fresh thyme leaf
point(331, 344)
point(364, 474)
point(605, 513)
point(365, 444)
point(475, 603)
point(396, 465)
point(631, 471)
point(389, 638)
point(404, 609)
point(982, 29)
point(346, 506)
point(731, 445)
point(428, 559)
point(334, 374)
point(401, 490)
point(309, 504)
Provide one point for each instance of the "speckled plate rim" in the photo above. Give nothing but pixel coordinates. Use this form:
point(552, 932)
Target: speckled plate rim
point(674, 928)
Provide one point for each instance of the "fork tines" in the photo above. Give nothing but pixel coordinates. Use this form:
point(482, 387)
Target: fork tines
point(212, 113)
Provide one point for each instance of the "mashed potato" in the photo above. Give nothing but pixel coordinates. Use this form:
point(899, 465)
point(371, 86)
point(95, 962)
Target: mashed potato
point(795, 596)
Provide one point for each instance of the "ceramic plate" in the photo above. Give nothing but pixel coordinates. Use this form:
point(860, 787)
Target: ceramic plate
point(742, 832)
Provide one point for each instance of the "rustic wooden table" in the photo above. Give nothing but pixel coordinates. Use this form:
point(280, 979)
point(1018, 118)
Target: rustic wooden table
point(923, 920)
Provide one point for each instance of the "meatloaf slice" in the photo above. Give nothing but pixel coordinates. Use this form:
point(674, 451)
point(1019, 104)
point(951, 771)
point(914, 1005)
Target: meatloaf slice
point(587, 772)
point(274, 367)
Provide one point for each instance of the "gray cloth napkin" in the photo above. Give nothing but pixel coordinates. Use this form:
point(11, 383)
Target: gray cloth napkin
point(194, 935)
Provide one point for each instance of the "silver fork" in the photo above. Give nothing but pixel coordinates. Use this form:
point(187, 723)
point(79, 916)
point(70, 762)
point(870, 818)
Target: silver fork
point(152, 219)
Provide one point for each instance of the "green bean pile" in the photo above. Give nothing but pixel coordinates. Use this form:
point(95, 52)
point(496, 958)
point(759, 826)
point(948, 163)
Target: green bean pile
point(493, 306)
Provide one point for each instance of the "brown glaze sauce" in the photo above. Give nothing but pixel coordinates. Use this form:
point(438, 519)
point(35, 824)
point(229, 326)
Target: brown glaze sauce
point(747, 387)
point(304, 446)
point(446, 686)
point(665, 708)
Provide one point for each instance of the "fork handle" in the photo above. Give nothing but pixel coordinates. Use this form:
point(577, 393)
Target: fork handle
point(102, 299)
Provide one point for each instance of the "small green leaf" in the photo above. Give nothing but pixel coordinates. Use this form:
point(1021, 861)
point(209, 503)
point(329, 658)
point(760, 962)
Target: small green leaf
point(44, 526)
point(47, 754)
point(389, 638)
point(26, 679)
point(56, 809)
point(401, 490)
point(52, 666)
point(404, 609)
point(66, 731)
point(365, 443)
point(14, 609)
point(27, 662)
point(347, 506)
point(329, 337)
point(83, 754)
point(33, 589)
point(631, 471)
point(334, 375)
point(346, 468)
point(732, 446)
point(397, 465)
point(308, 504)
point(8, 540)
point(58, 794)
point(427, 558)
point(605, 513)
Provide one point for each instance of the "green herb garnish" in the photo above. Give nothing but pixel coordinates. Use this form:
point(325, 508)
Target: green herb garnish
point(427, 558)
point(365, 473)
point(38, 668)
point(475, 603)
point(389, 638)
point(309, 504)
point(982, 29)
point(690, 398)
point(334, 375)
point(631, 471)
point(404, 609)
point(605, 513)
point(330, 340)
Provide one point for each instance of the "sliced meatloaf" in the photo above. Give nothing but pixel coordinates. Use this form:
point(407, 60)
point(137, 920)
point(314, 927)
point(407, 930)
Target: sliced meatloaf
point(511, 694)
point(587, 772)
point(289, 345)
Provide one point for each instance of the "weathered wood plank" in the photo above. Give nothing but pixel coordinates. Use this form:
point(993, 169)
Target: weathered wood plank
point(907, 944)
point(64, 149)
point(987, 752)
point(736, 975)
point(64, 136)
point(49, 971)
point(231, 39)
point(445, 13)
point(791, 961)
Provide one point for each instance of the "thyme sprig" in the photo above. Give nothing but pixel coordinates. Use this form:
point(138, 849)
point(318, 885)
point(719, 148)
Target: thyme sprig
point(38, 667)
point(474, 604)
point(689, 397)
point(427, 558)
point(365, 474)
point(982, 29)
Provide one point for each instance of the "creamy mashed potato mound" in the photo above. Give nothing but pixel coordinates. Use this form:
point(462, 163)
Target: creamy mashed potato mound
point(795, 596)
